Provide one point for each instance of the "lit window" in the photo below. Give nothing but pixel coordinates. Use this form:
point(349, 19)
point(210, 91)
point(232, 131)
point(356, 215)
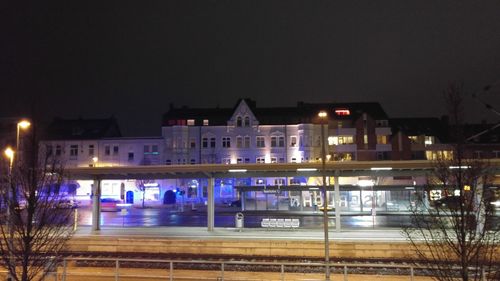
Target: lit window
point(293, 141)
point(429, 140)
point(381, 139)
point(205, 122)
point(365, 139)
point(413, 139)
point(190, 122)
point(340, 140)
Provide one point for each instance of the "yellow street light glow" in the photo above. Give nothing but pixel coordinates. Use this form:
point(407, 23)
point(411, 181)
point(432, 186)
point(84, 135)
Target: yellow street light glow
point(24, 124)
point(95, 159)
point(9, 153)
point(467, 187)
point(322, 114)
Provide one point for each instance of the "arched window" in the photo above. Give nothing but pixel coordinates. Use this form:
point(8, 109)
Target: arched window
point(247, 121)
point(238, 121)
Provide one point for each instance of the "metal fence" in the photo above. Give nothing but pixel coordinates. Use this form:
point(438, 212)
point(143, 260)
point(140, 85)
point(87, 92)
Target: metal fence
point(221, 269)
point(170, 270)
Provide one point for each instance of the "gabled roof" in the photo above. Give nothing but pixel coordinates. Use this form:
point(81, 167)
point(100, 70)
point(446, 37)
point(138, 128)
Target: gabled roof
point(83, 129)
point(302, 113)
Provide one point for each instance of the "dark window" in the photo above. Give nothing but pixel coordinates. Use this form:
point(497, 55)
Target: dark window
point(130, 156)
point(212, 142)
point(49, 150)
point(204, 142)
point(73, 151)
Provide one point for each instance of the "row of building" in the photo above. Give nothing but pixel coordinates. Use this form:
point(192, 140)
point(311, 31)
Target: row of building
point(249, 134)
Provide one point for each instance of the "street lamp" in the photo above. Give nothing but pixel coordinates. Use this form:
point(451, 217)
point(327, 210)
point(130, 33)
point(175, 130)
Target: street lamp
point(23, 124)
point(323, 117)
point(9, 152)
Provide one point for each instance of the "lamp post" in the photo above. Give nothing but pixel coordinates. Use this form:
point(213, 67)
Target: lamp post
point(23, 124)
point(323, 117)
point(9, 153)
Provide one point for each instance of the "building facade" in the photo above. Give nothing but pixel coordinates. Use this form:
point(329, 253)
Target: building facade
point(252, 135)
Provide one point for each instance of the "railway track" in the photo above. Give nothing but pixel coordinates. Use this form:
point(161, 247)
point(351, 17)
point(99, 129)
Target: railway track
point(245, 264)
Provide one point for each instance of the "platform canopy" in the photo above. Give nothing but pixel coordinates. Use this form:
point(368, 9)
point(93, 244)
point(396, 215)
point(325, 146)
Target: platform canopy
point(342, 169)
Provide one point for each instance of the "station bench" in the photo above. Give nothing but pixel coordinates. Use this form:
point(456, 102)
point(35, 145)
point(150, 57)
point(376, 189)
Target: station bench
point(279, 223)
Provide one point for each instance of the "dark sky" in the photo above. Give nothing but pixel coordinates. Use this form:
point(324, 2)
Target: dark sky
point(133, 58)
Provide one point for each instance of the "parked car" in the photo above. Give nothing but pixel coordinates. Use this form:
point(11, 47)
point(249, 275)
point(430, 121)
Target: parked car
point(66, 204)
point(449, 202)
point(109, 204)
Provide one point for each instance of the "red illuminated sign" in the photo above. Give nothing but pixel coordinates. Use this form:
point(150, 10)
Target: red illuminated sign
point(342, 112)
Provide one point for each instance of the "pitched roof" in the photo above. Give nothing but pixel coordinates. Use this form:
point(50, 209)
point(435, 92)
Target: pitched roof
point(83, 128)
point(302, 113)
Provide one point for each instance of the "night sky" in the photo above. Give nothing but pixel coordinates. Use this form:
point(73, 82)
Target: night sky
point(131, 59)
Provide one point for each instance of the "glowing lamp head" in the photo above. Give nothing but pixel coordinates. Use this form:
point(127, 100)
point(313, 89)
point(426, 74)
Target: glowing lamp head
point(9, 152)
point(24, 124)
point(95, 159)
point(322, 114)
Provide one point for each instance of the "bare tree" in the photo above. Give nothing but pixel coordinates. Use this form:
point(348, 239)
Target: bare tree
point(142, 185)
point(35, 224)
point(457, 237)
